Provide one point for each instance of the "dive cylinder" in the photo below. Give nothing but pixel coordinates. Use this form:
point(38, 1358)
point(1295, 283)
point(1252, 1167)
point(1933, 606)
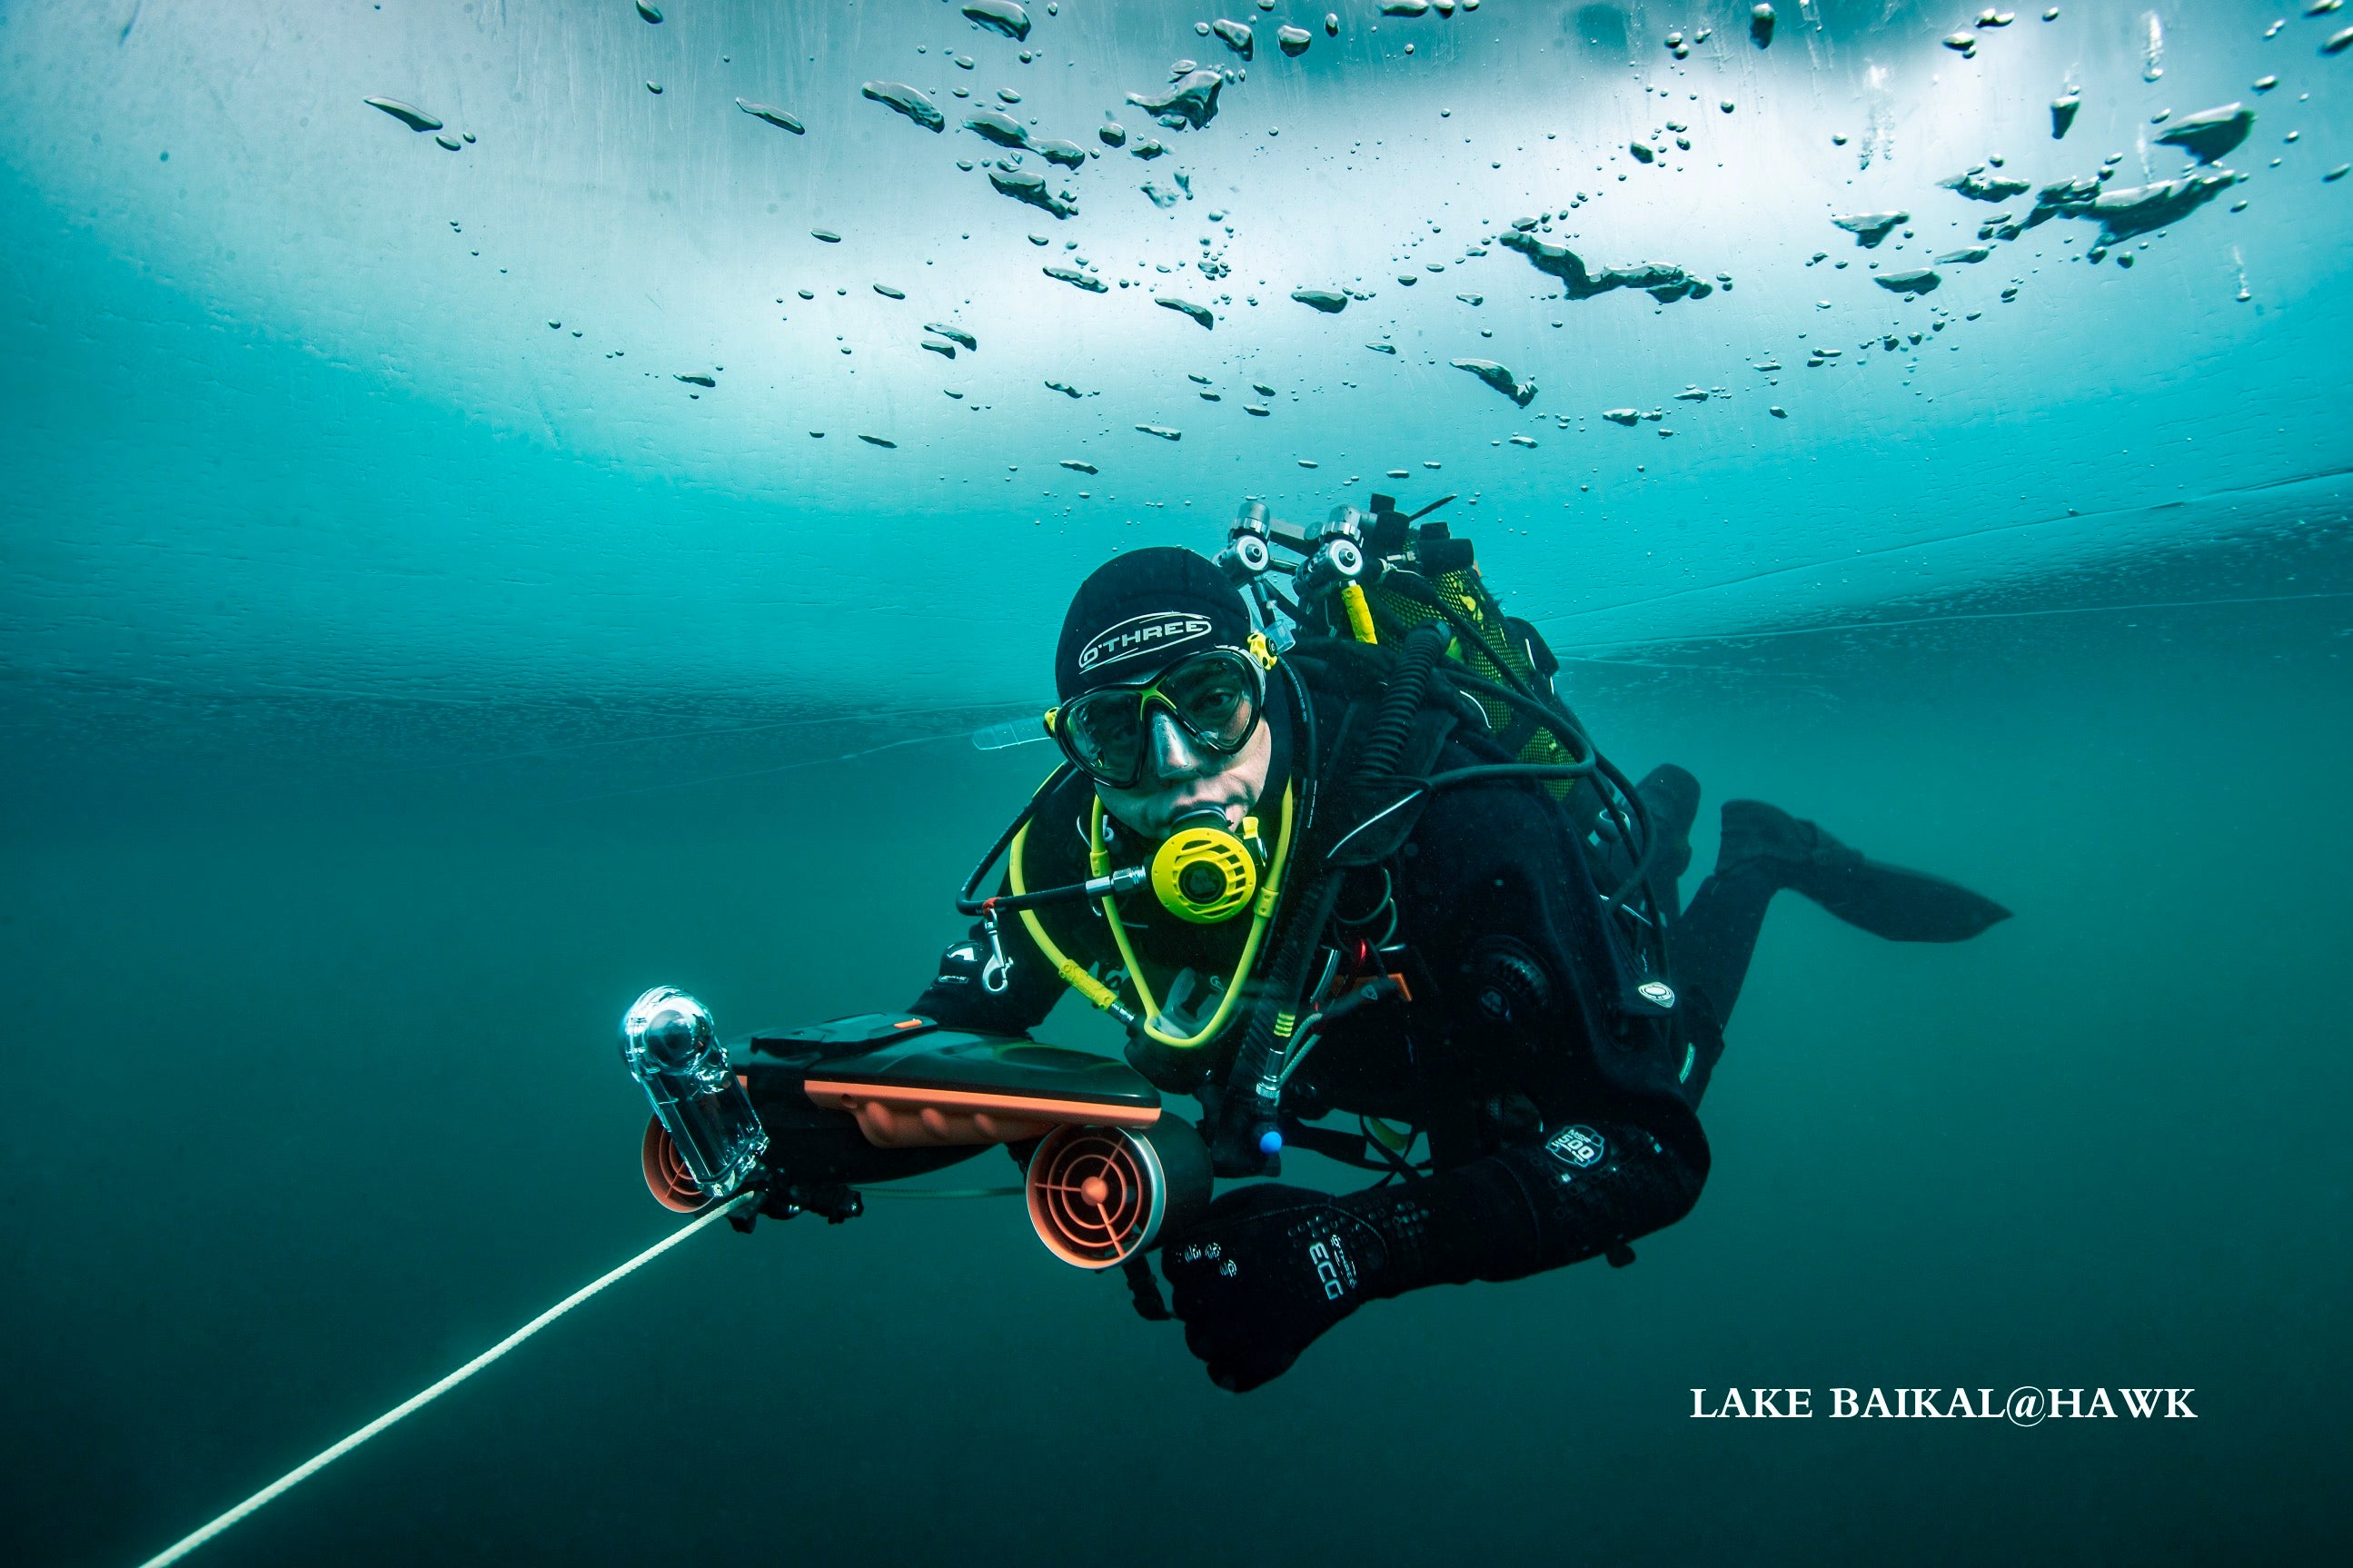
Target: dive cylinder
point(671, 1047)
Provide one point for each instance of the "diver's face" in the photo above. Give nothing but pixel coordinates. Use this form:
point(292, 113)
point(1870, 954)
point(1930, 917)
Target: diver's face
point(1181, 777)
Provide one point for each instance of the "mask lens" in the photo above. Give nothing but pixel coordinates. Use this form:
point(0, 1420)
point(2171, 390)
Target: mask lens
point(1105, 733)
point(1215, 698)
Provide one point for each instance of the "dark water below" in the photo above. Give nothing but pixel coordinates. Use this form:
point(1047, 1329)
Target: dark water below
point(314, 1096)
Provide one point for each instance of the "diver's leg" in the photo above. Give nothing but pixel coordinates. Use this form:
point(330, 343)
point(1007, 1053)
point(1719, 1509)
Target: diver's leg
point(1765, 849)
point(1891, 901)
point(1717, 935)
point(1670, 799)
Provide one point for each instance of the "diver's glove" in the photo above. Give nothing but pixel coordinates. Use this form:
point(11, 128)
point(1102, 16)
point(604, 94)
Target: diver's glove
point(1270, 1268)
point(1265, 1273)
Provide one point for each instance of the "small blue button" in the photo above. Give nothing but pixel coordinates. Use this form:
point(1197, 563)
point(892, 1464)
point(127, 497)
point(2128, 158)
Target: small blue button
point(1268, 1142)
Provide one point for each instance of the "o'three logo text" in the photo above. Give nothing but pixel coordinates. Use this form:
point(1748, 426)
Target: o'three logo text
point(1140, 634)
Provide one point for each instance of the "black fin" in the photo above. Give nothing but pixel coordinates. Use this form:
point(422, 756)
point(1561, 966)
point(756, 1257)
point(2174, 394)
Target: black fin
point(1888, 901)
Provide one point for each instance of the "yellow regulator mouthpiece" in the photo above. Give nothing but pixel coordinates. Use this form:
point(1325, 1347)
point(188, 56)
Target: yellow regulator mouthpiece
point(1203, 874)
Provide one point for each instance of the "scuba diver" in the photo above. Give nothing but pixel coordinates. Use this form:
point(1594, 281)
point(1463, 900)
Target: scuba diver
point(1346, 851)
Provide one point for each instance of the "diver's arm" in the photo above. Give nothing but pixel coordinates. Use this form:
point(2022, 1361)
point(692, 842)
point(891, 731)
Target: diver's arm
point(1052, 852)
point(1590, 1188)
point(958, 995)
point(1273, 1267)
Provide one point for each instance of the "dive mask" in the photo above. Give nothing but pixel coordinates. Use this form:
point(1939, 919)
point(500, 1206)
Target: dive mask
point(1217, 696)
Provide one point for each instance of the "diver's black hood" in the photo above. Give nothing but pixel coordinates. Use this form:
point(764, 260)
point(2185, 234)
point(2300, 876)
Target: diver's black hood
point(1140, 612)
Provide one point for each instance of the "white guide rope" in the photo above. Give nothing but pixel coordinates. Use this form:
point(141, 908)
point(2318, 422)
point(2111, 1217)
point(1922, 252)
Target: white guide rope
point(310, 1467)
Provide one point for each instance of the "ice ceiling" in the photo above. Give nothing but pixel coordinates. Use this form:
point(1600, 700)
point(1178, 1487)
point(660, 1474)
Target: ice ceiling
point(354, 346)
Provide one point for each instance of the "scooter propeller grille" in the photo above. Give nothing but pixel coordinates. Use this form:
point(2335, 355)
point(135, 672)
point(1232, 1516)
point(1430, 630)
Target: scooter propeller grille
point(1096, 1195)
point(667, 1177)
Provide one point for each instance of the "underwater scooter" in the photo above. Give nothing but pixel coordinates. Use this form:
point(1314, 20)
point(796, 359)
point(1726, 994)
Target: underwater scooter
point(803, 1116)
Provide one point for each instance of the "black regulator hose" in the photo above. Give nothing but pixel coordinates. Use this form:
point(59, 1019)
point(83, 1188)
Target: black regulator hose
point(1247, 1135)
point(1401, 705)
point(966, 903)
point(1544, 715)
point(1553, 716)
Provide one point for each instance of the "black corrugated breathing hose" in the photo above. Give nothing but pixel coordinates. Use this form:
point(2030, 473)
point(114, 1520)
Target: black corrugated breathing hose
point(1246, 1115)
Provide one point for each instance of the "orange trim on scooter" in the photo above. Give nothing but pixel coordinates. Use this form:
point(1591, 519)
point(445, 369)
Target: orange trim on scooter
point(902, 1116)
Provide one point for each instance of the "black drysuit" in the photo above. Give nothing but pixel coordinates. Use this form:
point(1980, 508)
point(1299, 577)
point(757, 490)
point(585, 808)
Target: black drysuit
point(1558, 1099)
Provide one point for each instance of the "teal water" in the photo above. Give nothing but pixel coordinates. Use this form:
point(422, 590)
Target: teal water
point(390, 696)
